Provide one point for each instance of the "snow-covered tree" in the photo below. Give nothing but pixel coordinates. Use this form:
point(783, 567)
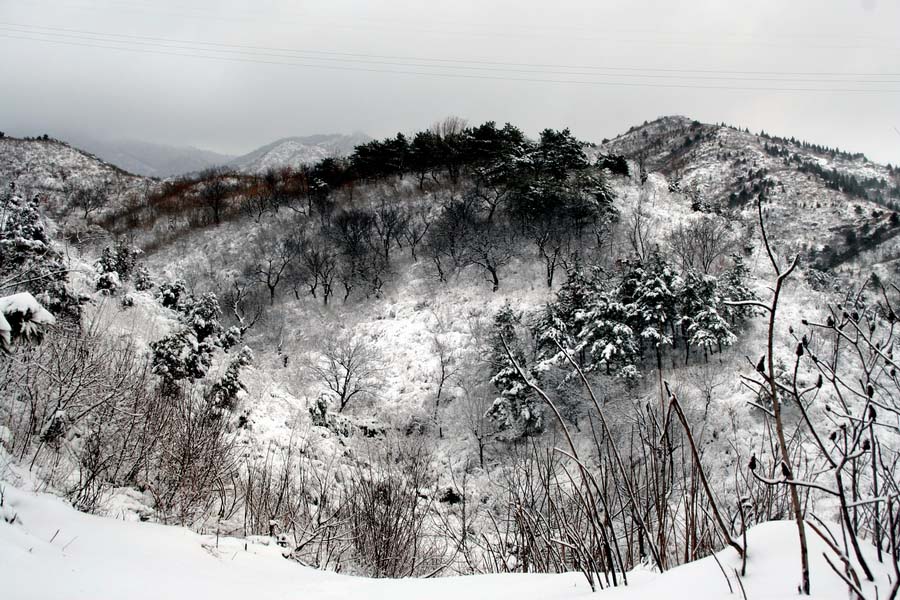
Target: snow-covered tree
point(650, 293)
point(702, 324)
point(21, 318)
point(224, 393)
point(108, 282)
point(179, 356)
point(203, 317)
point(560, 322)
point(734, 287)
point(119, 258)
point(142, 279)
point(29, 260)
point(608, 338)
point(172, 294)
point(515, 411)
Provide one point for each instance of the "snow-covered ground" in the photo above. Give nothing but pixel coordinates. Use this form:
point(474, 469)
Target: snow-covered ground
point(49, 551)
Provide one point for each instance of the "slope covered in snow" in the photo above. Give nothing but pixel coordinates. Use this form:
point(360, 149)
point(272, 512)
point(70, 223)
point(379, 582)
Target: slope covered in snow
point(51, 169)
point(828, 204)
point(50, 551)
point(296, 151)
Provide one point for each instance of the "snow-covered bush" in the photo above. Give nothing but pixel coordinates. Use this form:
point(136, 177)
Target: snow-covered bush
point(108, 283)
point(224, 393)
point(179, 356)
point(21, 317)
point(142, 279)
point(119, 258)
point(171, 294)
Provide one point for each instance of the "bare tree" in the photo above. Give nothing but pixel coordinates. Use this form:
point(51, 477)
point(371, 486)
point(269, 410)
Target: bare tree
point(389, 513)
point(449, 126)
point(389, 224)
point(272, 260)
point(88, 198)
point(491, 247)
point(245, 311)
point(416, 223)
point(642, 228)
point(214, 193)
point(552, 237)
point(349, 367)
point(448, 366)
point(766, 368)
point(317, 266)
point(701, 242)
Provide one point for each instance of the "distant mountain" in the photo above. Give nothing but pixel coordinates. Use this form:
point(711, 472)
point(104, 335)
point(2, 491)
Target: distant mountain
point(152, 160)
point(296, 151)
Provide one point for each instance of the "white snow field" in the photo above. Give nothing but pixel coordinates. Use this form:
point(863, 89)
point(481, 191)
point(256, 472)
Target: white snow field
point(48, 551)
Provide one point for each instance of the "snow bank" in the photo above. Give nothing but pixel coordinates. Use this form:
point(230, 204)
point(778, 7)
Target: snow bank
point(50, 551)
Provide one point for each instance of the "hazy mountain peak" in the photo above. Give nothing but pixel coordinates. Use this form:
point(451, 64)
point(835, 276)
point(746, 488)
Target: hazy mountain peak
point(298, 150)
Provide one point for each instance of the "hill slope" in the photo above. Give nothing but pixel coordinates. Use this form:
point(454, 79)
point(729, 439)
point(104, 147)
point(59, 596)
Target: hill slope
point(95, 557)
point(827, 204)
point(296, 151)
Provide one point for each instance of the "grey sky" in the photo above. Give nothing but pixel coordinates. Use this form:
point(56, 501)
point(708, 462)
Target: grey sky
point(157, 88)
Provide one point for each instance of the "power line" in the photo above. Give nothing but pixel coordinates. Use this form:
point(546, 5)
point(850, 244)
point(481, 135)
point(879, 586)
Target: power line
point(464, 64)
point(508, 33)
point(608, 83)
point(197, 46)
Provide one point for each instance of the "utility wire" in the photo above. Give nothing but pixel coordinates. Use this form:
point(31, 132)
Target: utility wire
point(608, 83)
point(417, 27)
point(463, 64)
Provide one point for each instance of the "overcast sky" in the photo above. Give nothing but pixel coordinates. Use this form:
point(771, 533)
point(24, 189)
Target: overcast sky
point(231, 75)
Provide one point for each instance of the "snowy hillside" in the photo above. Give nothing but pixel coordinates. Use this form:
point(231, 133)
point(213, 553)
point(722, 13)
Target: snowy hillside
point(93, 557)
point(460, 352)
point(55, 170)
point(297, 151)
point(827, 204)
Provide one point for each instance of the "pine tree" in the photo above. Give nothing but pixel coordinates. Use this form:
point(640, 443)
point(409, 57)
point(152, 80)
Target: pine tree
point(173, 294)
point(224, 393)
point(203, 316)
point(733, 286)
point(179, 356)
point(514, 411)
point(701, 323)
point(559, 323)
point(650, 294)
point(28, 257)
point(607, 337)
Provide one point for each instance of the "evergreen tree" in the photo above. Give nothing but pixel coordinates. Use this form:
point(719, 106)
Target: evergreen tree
point(173, 294)
point(28, 257)
point(702, 325)
point(179, 356)
point(733, 286)
point(608, 338)
point(514, 411)
point(224, 393)
point(560, 322)
point(203, 316)
point(650, 293)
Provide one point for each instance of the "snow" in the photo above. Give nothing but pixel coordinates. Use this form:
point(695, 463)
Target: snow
point(297, 151)
point(25, 304)
point(49, 551)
